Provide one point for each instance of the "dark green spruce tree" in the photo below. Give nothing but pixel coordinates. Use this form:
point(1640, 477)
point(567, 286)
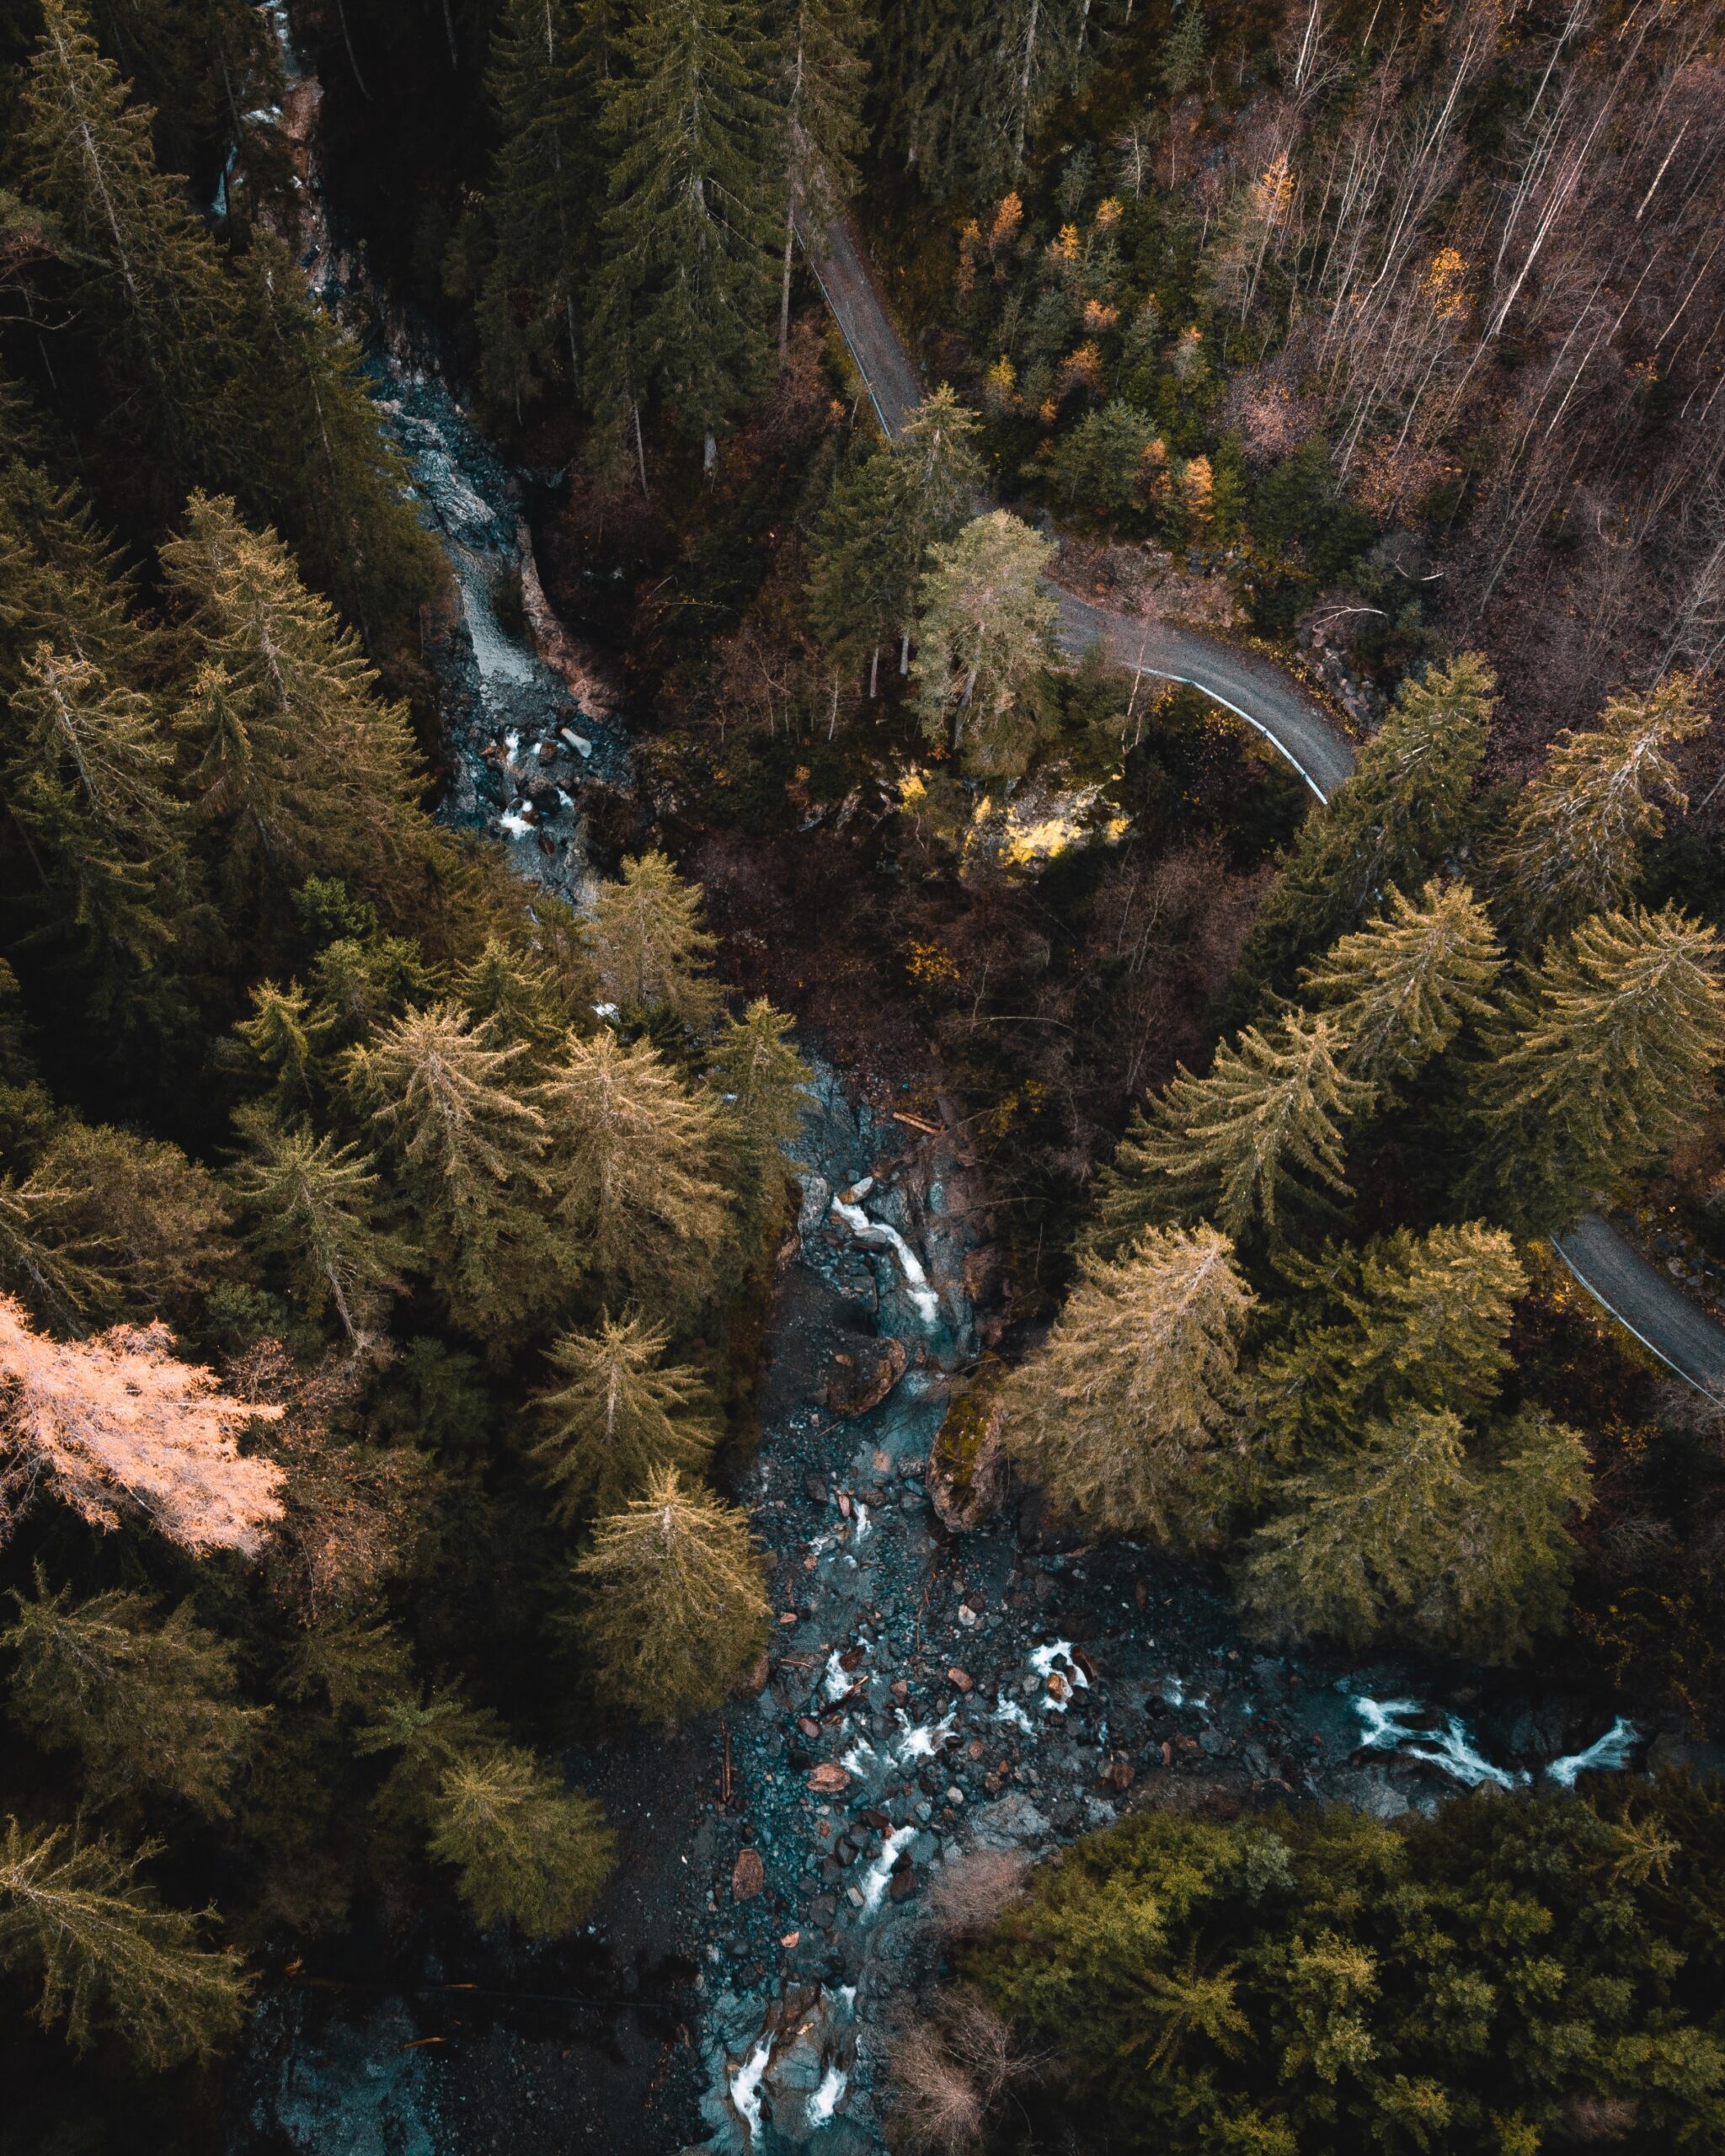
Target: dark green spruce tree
point(684, 296)
point(154, 313)
point(308, 454)
point(1397, 821)
point(526, 256)
point(887, 511)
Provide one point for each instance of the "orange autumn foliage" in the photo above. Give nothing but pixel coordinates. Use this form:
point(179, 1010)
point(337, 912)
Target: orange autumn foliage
point(119, 1424)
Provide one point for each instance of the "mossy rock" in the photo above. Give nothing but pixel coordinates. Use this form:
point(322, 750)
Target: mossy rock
point(967, 1468)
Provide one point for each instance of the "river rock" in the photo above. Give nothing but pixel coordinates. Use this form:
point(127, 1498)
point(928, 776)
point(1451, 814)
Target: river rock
point(748, 1875)
point(863, 1381)
point(829, 1778)
point(967, 1476)
point(1010, 1822)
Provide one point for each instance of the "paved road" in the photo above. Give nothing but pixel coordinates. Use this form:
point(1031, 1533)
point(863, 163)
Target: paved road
point(1643, 1301)
point(1250, 687)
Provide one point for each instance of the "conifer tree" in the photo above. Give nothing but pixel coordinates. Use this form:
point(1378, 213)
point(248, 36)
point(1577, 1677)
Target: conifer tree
point(62, 582)
point(887, 511)
point(548, 61)
point(527, 1851)
point(89, 781)
point(152, 300)
point(1405, 1539)
point(651, 950)
point(619, 1416)
point(682, 299)
point(862, 588)
point(159, 1220)
point(467, 1144)
point(1401, 988)
point(308, 455)
point(1410, 1321)
point(1262, 1131)
point(985, 634)
point(634, 1168)
point(969, 84)
point(561, 943)
point(148, 1701)
point(1119, 1412)
point(1396, 821)
point(76, 1918)
point(765, 1083)
point(1435, 1313)
point(78, 731)
point(284, 1040)
point(315, 1208)
point(294, 760)
point(516, 997)
point(188, 59)
point(821, 47)
point(58, 1280)
point(673, 1605)
point(429, 1734)
point(361, 987)
point(1574, 845)
point(1603, 1058)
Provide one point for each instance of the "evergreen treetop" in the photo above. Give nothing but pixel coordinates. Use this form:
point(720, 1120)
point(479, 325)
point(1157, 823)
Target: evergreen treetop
point(1399, 820)
point(526, 1850)
point(650, 944)
point(1403, 987)
point(673, 1606)
point(314, 1205)
point(147, 1699)
point(1577, 831)
point(1317, 1978)
point(985, 633)
point(1119, 1410)
point(107, 1953)
point(1407, 1537)
point(306, 770)
point(758, 1073)
point(1410, 1321)
point(684, 290)
point(1601, 1059)
point(635, 1163)
point(618, 1416)
point(549, 63)
point(887, 509)
point(148, 273)
point(468, 1140)
point(1264, 1131)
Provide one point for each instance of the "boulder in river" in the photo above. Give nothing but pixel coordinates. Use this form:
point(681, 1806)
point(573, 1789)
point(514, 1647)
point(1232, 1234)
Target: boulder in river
point(863, 1380)
point(968, 1473)
point(748, 1875)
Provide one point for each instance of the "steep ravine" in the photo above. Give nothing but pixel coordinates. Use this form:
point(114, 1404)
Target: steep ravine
point(928, 1694)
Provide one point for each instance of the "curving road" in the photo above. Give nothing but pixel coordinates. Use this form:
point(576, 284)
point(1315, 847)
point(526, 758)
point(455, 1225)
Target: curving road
point(1643, 1301)
point(1682, 1335)
point(1252, 688)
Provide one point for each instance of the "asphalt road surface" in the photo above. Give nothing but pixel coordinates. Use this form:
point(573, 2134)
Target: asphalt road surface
point(1641, 1298)
point(1683, 1337)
